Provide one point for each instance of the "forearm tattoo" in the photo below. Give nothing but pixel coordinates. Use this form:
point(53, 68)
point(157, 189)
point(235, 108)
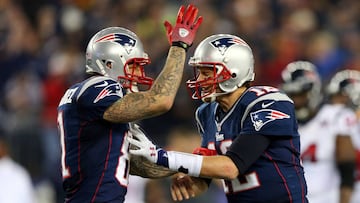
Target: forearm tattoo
point(169, 80)
point(140, 166)
point(140, 105)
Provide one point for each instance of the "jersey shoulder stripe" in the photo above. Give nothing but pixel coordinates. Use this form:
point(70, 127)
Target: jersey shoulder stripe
point(94, 80)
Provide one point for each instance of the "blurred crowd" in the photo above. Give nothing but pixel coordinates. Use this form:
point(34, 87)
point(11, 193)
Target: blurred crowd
point(42, 46)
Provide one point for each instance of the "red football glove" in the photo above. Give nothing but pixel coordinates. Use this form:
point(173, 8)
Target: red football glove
point(204, 151)
point(183, 33)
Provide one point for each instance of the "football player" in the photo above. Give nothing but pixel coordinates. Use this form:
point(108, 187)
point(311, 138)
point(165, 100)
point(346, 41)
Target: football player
point(347, 83)
point(249, 133)
point(94, 115)
point(325, 132)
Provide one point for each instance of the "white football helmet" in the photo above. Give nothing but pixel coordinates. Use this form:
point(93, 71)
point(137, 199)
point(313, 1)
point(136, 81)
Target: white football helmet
point(346, 82)
point(232, 61)
point(302, 77)
point(111, 51)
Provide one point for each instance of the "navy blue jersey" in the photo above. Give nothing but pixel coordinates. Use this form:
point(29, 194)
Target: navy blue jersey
point(277, 175)
point(95, 160)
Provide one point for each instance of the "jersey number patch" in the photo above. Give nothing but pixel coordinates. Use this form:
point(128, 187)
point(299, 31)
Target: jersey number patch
point(242, 183)
point(65, 170)
point(122, 169)
point(309, 154)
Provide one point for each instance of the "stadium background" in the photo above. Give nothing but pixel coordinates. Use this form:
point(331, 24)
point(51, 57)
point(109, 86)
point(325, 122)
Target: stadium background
point(42, 44)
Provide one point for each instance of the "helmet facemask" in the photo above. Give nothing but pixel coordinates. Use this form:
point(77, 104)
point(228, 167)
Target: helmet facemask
point(134, 77)
point(306, 102)
point(206, 89)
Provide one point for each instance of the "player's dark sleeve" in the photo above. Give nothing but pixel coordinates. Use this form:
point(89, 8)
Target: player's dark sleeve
point(246, 149)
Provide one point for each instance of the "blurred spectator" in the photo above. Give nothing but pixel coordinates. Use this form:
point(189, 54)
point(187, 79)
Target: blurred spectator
point(23, 105)
point(23, 102)
point(43, 38)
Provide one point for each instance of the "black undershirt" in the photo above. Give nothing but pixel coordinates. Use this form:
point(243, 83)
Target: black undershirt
point(246, 149)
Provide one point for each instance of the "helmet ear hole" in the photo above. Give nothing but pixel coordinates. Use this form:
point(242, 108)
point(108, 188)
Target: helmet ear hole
point(233, 75)
point(109, 64)
point(88, 62)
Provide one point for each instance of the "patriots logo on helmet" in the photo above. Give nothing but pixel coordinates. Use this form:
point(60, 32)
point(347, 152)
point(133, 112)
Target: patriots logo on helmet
point(222, 44)
point(108, 90)
point(124, 40)
point(264, 116)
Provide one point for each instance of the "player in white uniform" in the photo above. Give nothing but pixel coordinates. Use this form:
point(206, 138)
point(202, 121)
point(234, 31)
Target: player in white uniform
point(325, 132)
point(348, 82)
point(356, 140)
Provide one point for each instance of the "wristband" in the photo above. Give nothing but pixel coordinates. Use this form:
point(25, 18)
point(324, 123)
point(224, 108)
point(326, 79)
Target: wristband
point(181, 44)
point(184, 162)
point(204, 151)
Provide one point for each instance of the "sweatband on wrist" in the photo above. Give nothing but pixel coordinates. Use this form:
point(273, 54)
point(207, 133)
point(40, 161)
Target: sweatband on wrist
point(181, 44)
point(184, 162)
point(346, 173)
point(204, 151)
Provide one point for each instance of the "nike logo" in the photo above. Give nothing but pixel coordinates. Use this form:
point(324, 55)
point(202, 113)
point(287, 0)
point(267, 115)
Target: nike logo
point(263, 105)
point(104, 84)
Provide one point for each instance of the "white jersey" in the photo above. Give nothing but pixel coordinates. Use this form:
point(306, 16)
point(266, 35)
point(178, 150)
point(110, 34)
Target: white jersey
point(356, 140)
point(318, 144)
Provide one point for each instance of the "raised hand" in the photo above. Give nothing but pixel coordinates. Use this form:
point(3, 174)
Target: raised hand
point(186, 26)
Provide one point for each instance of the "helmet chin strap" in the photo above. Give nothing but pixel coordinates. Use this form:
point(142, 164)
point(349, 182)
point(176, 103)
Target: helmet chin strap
point(209, 99)
point(133, 87)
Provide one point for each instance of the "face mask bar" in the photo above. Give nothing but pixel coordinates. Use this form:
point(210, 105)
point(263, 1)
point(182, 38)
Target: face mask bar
point(135, 76)
point(199, 89)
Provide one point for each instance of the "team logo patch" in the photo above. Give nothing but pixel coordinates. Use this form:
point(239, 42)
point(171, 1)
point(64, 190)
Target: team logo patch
point(183, 32)
point(125, 40)
point(263, 116)
point(108, 90)
point(224, 43)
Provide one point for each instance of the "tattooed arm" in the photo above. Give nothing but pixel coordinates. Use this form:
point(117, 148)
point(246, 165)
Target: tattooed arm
point(140, 166)
point(159, 99)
